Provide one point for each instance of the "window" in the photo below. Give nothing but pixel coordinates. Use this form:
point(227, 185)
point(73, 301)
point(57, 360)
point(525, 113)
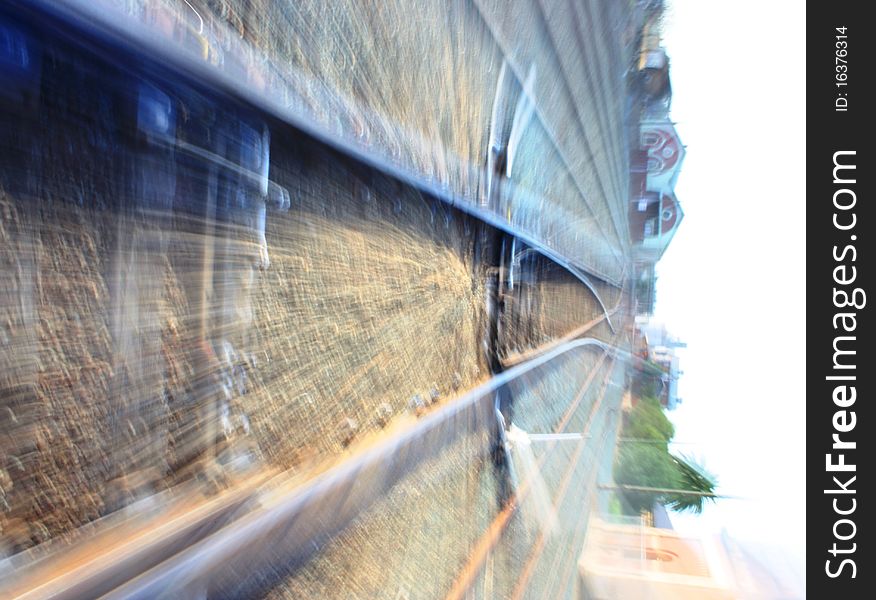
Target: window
point(660, 555)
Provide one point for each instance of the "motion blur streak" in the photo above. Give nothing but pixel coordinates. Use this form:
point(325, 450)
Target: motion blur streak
point(290, 293)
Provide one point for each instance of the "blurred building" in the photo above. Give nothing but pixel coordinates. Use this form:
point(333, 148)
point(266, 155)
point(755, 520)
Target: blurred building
point(653, 68)
point(633, 560)
point(657, 347)
point(654, 212)
point(656, 87)
point(645, 289)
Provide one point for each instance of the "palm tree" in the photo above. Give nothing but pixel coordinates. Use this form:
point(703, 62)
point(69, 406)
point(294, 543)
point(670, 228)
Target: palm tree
point(692, 478)
point(650, 473)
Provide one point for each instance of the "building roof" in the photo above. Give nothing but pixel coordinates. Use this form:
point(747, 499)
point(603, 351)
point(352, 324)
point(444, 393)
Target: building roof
point(666, 153)
point(670, 217)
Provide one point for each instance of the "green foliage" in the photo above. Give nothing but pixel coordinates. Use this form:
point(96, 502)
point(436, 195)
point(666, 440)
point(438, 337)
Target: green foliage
point(646, 379)
point(647, 421)
point(645, 461)
point(646, 465)
point(691, 476)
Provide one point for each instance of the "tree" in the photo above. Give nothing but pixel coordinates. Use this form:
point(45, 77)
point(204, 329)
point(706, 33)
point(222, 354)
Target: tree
point(647, 421)
point(644, 461)
point(692, 477)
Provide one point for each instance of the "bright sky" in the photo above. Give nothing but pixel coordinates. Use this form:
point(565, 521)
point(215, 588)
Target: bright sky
point(731, 283)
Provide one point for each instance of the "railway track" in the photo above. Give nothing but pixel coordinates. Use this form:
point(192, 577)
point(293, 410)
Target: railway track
point(202, 545)
point(606, 185)
point(100, 27)
point(203, 550)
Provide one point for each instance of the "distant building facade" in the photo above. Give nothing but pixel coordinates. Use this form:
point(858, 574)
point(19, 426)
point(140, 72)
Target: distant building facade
point(656, 346)
point(627, 560)
point(655, 212)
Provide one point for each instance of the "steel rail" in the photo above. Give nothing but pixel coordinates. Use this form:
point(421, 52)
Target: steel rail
point(519, 72)
point(522, 357)
point(538, 548)
point(90, 23)
point(293, 520)
point(195, 545)
point(493, 534)
point(120, 551)
point(386, 462)
point(602, 112)
point(582, 277)
point(113, 560)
